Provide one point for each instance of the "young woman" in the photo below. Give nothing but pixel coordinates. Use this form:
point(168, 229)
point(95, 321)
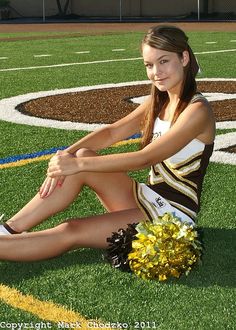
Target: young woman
point(178, 132)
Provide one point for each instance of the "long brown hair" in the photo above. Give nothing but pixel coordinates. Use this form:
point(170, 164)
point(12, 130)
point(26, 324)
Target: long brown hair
point(171, 39)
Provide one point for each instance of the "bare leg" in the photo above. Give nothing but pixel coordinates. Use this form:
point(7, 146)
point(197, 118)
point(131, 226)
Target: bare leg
point(113, 189)
point(87, 232)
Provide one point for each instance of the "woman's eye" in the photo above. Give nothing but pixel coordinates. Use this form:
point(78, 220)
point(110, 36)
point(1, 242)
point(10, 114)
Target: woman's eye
point(148, 66)
point(163, 61)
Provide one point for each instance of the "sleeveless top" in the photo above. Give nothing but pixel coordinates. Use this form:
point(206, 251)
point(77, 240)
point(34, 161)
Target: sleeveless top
point(179, 178)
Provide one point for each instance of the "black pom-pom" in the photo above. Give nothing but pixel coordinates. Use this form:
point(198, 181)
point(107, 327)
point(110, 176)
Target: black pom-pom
point(120, 245)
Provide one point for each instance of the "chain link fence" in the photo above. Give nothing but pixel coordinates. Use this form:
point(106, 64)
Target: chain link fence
point(119, 10)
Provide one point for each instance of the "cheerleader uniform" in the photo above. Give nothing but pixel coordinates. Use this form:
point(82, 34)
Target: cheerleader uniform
point(175, 184)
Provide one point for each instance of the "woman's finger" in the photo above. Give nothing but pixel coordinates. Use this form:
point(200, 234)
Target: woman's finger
point(54, 171)
point(41, 189)
point(53, 185)
point(45, 187)
point(49, 185)
point(61, 181)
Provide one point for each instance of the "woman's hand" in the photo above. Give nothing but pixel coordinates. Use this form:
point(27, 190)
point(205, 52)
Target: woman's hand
point(49, 185)
point(62, 164)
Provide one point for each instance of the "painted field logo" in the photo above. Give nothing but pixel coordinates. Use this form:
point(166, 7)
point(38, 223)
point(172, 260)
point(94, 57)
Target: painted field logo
point(87, 108)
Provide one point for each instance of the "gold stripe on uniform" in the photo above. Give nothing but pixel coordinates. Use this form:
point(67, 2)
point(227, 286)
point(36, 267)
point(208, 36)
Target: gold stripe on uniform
point(176, 173)
point(190, 168)
point(150, 207)
point(154, 179)
point(184, 209)
point(187, 191)
point(139, 204)
point(185, 161)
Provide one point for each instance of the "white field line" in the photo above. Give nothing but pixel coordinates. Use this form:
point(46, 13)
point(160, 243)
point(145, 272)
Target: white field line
point(43, 55)
point(101, 61)
point(232, 40)
point(3, 58)
point(118, 50)
point(211, 97)
point(224, 141)
point(83, 52)
point(71, 64)
point(216, 51)
point(211, 42)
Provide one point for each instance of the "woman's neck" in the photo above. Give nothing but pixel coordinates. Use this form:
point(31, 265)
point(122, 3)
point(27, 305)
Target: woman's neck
point(168, 110)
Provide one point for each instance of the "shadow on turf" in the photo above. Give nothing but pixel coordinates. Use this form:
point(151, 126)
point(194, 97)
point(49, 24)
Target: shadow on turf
point(218, 263)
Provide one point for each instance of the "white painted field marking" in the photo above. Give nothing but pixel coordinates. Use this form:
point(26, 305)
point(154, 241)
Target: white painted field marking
point(224, 141)
point(232, 40)
point(226, 124)
point(210, 97)
point(10, 114)
point(216, 51)
point(3, 58)
point(100, 62)
point(83, 52)
point(216, 79)
point(118, 50)
point(210, 42)
point(43, 55)
point(71, 64)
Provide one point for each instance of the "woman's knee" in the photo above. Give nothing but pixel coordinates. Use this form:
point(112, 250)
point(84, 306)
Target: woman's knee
point(84, 152)
point(70, 230)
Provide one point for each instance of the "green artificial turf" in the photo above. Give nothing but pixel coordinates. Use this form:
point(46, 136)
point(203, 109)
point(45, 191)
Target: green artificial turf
point(81, 280)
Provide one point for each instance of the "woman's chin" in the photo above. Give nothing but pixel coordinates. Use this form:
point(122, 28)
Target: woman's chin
point(160, 87)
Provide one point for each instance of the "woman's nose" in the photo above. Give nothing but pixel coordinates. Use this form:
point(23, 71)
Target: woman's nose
point(156, 70)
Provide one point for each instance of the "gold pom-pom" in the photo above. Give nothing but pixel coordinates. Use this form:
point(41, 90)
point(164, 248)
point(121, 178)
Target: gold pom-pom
point(166, 247)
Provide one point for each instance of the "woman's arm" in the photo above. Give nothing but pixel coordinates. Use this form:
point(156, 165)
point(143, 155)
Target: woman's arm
point(95, 141)
point(192, 123)
point(106, 136)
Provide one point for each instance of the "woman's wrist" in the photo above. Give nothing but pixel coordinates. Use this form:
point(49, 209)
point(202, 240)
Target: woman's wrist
point(71, 151)
point(80, 164)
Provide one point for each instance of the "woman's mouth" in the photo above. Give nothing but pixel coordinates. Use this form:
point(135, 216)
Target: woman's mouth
point(159, 81)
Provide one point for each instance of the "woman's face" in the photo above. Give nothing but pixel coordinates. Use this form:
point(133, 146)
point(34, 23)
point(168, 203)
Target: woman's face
point(165, 69)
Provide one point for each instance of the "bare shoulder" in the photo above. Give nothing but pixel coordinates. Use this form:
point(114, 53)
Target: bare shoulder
point(201, 107)
point(200, 114)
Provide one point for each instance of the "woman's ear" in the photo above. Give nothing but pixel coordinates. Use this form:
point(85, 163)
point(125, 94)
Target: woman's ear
point(185, 58)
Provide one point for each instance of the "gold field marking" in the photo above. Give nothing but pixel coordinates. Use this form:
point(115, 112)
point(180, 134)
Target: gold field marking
point(45, 310)
point(23, 162)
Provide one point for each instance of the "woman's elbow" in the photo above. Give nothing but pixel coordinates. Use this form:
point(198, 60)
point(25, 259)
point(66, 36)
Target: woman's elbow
point(147, 159)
